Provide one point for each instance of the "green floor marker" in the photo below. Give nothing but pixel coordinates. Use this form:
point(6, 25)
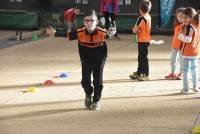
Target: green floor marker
point(34, 36)
point(135, 39)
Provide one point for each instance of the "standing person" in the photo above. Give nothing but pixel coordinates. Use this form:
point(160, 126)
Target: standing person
point(93, 52)
point(143, 28)
point(190, 37)
point(176, 47)
point(70, 19)
point(109, 10)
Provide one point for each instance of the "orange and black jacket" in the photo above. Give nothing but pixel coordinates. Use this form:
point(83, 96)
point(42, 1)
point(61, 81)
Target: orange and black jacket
point(176, 43)
point(92, 47)
point(191, 49)
point(144, 25)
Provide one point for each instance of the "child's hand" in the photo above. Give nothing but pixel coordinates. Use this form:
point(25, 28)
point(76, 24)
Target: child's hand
point(50, 31)
point(139, 30)
point(136, 29)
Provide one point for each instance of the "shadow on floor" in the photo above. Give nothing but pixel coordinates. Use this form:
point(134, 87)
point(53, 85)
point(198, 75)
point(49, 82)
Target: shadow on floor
point(104, 99)
point(41, 113)
point(73, 83)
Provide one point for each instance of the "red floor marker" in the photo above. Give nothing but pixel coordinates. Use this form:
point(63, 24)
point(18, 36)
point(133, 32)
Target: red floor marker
point(48, 82)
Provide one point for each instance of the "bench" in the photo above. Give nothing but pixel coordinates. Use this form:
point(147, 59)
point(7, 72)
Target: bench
point(19, 20)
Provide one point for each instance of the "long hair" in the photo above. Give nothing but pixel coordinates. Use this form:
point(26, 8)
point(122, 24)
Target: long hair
point(178, 10)
point(192, 13)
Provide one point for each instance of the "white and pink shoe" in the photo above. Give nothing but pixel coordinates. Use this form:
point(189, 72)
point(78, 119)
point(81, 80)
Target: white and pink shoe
point(171, 76)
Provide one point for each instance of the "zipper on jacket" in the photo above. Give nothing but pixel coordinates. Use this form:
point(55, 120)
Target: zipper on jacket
point(91, 38)
point(184, 48)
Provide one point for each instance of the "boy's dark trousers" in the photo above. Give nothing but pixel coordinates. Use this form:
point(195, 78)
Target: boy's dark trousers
point(143, 62)
point(97, 71)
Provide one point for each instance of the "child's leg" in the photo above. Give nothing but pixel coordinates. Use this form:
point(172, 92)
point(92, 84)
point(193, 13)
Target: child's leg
point(138, 72)
point(173, 60)
point(143, 58)
point(65, 25)
point(69, 26)
point(185, 74)
point(98, 80)
point(194, 70)
point(181, 61)
point(146, 60)
point(86, 78)
point(74, 25)
point(139, 69)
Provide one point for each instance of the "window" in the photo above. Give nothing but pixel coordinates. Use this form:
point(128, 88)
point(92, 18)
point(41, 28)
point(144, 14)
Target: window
point(124, 2)
point(84, 1)
point(127, 2)
point(81, 1)
point(15, 1)
point(120, 2)
point(78, 1)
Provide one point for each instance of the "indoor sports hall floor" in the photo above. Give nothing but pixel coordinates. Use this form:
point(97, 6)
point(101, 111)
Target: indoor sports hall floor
point(128, 107)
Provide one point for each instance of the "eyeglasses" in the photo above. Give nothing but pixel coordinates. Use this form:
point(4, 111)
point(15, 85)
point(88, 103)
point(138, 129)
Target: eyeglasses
point(183, 17)
point(89, 20)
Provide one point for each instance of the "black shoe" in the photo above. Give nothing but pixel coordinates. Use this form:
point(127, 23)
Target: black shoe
point(88, 101)
point(96, 106)
point(134, 76)
point(143, 77)
point(117, 37)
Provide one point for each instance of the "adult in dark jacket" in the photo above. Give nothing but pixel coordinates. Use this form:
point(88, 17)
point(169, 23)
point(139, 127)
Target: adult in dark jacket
point(109, 9)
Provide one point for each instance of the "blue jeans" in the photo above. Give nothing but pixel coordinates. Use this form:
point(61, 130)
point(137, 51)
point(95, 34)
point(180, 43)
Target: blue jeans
point(70, 26)
point(190, 63)
point(175, 55)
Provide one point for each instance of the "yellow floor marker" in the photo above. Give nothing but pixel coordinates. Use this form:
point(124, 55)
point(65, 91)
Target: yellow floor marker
point(32, 90)
point(196, 130)
point(196, 126)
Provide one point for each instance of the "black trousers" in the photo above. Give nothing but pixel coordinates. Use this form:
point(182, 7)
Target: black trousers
point(108, 15)
point(97, 71)
point(143, 62)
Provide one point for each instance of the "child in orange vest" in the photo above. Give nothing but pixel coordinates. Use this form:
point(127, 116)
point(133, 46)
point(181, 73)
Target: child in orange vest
point(93, 52)
point(143, 28)
point(176, 47)
point(190, 38)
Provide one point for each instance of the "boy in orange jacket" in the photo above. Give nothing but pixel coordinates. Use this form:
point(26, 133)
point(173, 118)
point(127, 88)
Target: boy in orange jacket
point(143, 28)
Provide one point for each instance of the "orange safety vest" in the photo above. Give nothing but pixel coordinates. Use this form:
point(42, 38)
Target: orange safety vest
point(91, 40)
point(193, 48)
point(176, 43)
point(145, 29)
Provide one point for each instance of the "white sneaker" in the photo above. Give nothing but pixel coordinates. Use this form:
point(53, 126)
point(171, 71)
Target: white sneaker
point(196, 89)
point(96, 106)
point(185, 92)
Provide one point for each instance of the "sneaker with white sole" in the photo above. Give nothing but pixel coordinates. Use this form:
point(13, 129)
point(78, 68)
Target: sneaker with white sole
point(143, 77)
point(196, 89)
point(171, 76)
point(184, 92)
point(96, 106)
point(179, 76)
point(135, 75)
point(88, 101)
